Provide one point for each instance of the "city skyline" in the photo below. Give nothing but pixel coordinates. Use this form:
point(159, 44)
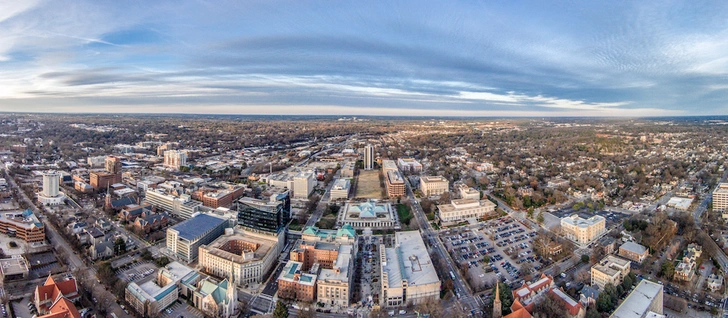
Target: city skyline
point(338, 58)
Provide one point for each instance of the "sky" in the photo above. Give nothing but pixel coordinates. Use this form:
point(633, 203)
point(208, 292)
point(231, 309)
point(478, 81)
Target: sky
point(412, 58)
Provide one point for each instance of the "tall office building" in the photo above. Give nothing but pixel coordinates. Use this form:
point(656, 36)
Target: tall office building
point(269, 216)
point(175, 158)
point(369, 157)
point(51, 180)
point(113, 165)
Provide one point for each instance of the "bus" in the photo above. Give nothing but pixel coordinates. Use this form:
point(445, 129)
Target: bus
point(452, 275)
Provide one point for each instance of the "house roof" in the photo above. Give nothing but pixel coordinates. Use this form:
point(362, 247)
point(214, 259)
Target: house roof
point(62, 308)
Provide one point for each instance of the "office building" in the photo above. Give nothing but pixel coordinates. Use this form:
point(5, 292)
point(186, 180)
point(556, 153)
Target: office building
point(369, 157)
point(113, 165)
point(409, 165)
point(633, 252)
point(216, 299)
point(389, 165)
point(15, 267)
point(460, 210)
point(296, 284)
point(51, 194)
point(368, 215)
point(222, 198)
point(270, 216)
point(23, 225)
point(645, 301)
point(96, 162)
point(155, 295)
point(340, 189)
point(102, 180)
point(433, 185)
point(347, 169)
point(245, 257)
point(175, 158)
point(344, 235)
point(720, 199)
point(181, 206)
point(303, 184)
point(407, 274)
point(466, 192)
point(334, 283)
point(583, 231)
point(185, 238)
point(394, 183)
point(609, 270)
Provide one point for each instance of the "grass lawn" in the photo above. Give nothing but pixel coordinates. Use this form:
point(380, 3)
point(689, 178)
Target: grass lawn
point(405, 215)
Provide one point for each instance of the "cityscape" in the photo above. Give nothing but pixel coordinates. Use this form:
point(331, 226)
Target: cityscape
point(374, 159)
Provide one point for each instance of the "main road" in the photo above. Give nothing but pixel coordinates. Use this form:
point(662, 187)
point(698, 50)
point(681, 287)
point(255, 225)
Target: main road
point(462, 289)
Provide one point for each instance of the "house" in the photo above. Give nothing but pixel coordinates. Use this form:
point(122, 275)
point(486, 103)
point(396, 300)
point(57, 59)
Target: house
point(588, 296)
point(151, 222)
point(103, 224)
point(685, 270)
point(526, 294)
point(77, 227)
point(94, 235)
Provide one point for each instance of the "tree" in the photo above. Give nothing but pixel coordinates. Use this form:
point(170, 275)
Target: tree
point(668, 269)
point(585, 258)
point(550, 307)
point(119, 246)
point(281, 310)
point(540, 217)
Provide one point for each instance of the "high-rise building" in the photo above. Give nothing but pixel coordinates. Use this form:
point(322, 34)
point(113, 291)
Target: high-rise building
point(368, 157)
point(175, 158)
point(51, 179)
point(720, 198)
point(185, 238)
point(269, 216)
point(303, 184)
point(113, 165)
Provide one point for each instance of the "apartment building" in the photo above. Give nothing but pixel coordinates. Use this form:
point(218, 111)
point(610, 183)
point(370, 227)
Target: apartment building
point(185, 238)
point(720, 199)
point(394, 183)
point(369, 157)
point(583, 231)
point(609, 270)
point(175, 158)
point(433, 185)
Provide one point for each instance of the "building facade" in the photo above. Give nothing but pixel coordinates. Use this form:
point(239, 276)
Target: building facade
point(303, 184)
point(720, 199)
point(185, 238)
point(23, 225)
point(462, 209)
point(583, 231)
point(243, 257)
point(181, 206)
point(409, 284)
point(433, 185)
point(368, 157)
point(394, 183)
point(269, 216)
point(340, 189)
point(609, 270)
point(175, 158)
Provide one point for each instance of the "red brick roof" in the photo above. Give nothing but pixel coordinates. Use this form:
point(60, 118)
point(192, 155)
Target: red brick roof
point(63, 308)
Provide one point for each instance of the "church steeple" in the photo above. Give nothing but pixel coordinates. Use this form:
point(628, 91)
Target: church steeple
point(497, 310)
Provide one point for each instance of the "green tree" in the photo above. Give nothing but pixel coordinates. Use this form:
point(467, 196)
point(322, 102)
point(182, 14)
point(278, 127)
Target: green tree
point(668, 270)
point(585, 258)
point(540, 218)
point(119, 246)
point(281, 310)
point(627, 283)
point(530, 213)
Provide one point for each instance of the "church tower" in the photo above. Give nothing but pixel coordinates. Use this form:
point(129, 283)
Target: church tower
point(497, 310)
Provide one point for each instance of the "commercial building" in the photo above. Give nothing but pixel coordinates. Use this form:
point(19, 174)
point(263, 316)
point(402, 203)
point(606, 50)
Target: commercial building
point(394, 183)
point(368, 157)
point(409, 164)
point(155, 295)
point(468, 192)
point(96, 162)
point(433, 185)
point(222, 198)
point(583, 231)
point(15, 267)
point(407, 274)
point(344, 235)
point(303, 184)
point(340, 189)
point(243, 256)
point(679, 203)
point(609, 270)
point(296, 284)
point(102, 180)
point(181, 206)
point(633, 252)
point(175, 158)
point(185, 238)
point(51, 194)
point(389, 165)
point(23, 225)
point(720, 197)
point(334, 283)
point(347, 169)
point(645, 301)
point(368, 215)
point(269, 216)
point(462, 209)
point(216, 299)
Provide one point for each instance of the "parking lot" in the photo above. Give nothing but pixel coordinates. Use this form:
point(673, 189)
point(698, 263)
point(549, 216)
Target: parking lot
point(369, 282)
point(179, 310)
point(504, 242)
point(137, 272)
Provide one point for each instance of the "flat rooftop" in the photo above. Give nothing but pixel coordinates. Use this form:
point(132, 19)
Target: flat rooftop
point(25, 219)
point(342, 263)
point(606, 265)
point(638, 303)
point(196, 226)
point(292, 268)
point(263, 245)
point(410, 261)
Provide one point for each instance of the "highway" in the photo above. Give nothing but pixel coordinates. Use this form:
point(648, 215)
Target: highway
point(430, 235)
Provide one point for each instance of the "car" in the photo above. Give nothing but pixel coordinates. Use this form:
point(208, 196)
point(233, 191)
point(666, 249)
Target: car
point(402, 312)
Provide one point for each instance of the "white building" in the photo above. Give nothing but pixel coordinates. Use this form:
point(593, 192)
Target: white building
point(155, 295)
point(51, 194)
point(340, 189)
point(468, 192)
point(368, 215)
point(409, 164)
point(434, 185)
point(720, 199)
point(175, 158)
point(389, 165)
point(303, 184)
point(407, 274)
point(181, 206)
point(645, 301)
point(583, 231)
point(244, 256)
point(185, 238)
point(462, 209)
point(369, 157)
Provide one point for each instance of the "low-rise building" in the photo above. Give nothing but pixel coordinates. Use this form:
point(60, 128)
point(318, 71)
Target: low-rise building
point(15, 267)
point(583, 231)
point(23, 225)
point(572, 308)
point(296, 284)
point(715, 282)
point(347, 169)
point(645, 301)
point(460, 210)
point(155, 295)
point(340, 189)
point(54, 290)
point(685, 270)
point(407, 274)
point(368, 215)
point(466, 192)
point(433, 185)
point(244, 256)
point(609, 270)
point(633, 252)
point(181, 206)
point(409, 164)
point(528, 293)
